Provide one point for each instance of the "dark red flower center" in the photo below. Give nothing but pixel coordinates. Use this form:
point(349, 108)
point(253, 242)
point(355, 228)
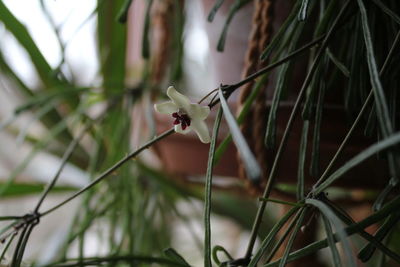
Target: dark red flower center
point(181, 119)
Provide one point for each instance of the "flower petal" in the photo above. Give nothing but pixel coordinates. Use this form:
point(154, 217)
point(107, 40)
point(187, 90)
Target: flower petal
point(178, 129)
point(198, 112)
point(166, 107)
point(200, 127)
point(180, 100)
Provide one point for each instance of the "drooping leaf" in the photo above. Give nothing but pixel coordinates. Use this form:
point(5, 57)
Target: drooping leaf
point(252, 168)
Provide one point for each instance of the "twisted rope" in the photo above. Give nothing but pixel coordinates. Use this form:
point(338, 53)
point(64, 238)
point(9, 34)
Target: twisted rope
point(162, 25)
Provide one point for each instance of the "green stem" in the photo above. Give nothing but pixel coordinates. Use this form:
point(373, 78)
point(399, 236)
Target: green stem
point(110, 170)
point(271, 179)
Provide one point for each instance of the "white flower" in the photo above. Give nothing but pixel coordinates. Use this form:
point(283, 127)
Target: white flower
point(186, 115)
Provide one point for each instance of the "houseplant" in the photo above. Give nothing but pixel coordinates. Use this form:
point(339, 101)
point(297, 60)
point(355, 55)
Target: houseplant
point(369, 28)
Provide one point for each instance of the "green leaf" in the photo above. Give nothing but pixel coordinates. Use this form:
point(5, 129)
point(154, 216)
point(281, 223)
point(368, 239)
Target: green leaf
point(387, 10)
point(59, 128)
point(175, 256)
point(269, 238)
point(7, 246)
point(284, 76)
point(384, 194)
point(303, 10)
point(215, 251)
point(281, 202)
point(252, 168)
point(242, 115)
point(326, 211)
point(123, 12)
point(382, 110)
point(97, 261)
point(366, 253)
point(8, 72)
point(351, 229)
point(337, 63)
point(380, 99)
point(302, 161)
point(292, 238)
point(112, 46)
point(146, 32)
point(208, 187)
point(281, 32)
point(235, 7)
point(214, 9)
point(23, 37)
point(18, 189)
point(373, 149)
point(331, 242)
point(314, 168)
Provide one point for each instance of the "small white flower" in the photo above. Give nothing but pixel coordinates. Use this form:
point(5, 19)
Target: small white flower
point(186, 115)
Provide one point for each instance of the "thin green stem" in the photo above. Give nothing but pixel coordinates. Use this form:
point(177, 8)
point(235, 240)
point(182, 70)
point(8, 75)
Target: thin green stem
point(271, 179)
point(233, 87)
point(359, 116)
point(66, 156)
point(110, 170)
point(208, 191)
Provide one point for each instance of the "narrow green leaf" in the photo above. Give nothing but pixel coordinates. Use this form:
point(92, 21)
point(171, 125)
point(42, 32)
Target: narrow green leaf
point(23, 189)
point(242, 115)
point(373, 149)
point(215, 251)
point(284, 76)
point(270, 134)
point(282, 238)
point(302, 161)
point(350, 230)
point(388, 11)
point(10, 73)
point(384, 194)
point(21, 247)
point(97, 261)
point(42, 111)
point(281, 202)
point(326, 211)
point(112, 46)
point(16, 261)
point(24, 38)
point(146, 32)
point(41, 98)
point(7, 246)
point(59, 128)
point(337, 63)
point(315, 156)
point(123, 12)
point(281, 32)
point(342, 215)
point(331, 242)
point(208, 188)
point(178, 42)
point(370, 127)
point(269, 238)
point(303, 10)
point(175, 256)
point(252, 168)
point(366, 253)
point(292, 238)
point(214, 9)
point(380, 99)
point(235, 7)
